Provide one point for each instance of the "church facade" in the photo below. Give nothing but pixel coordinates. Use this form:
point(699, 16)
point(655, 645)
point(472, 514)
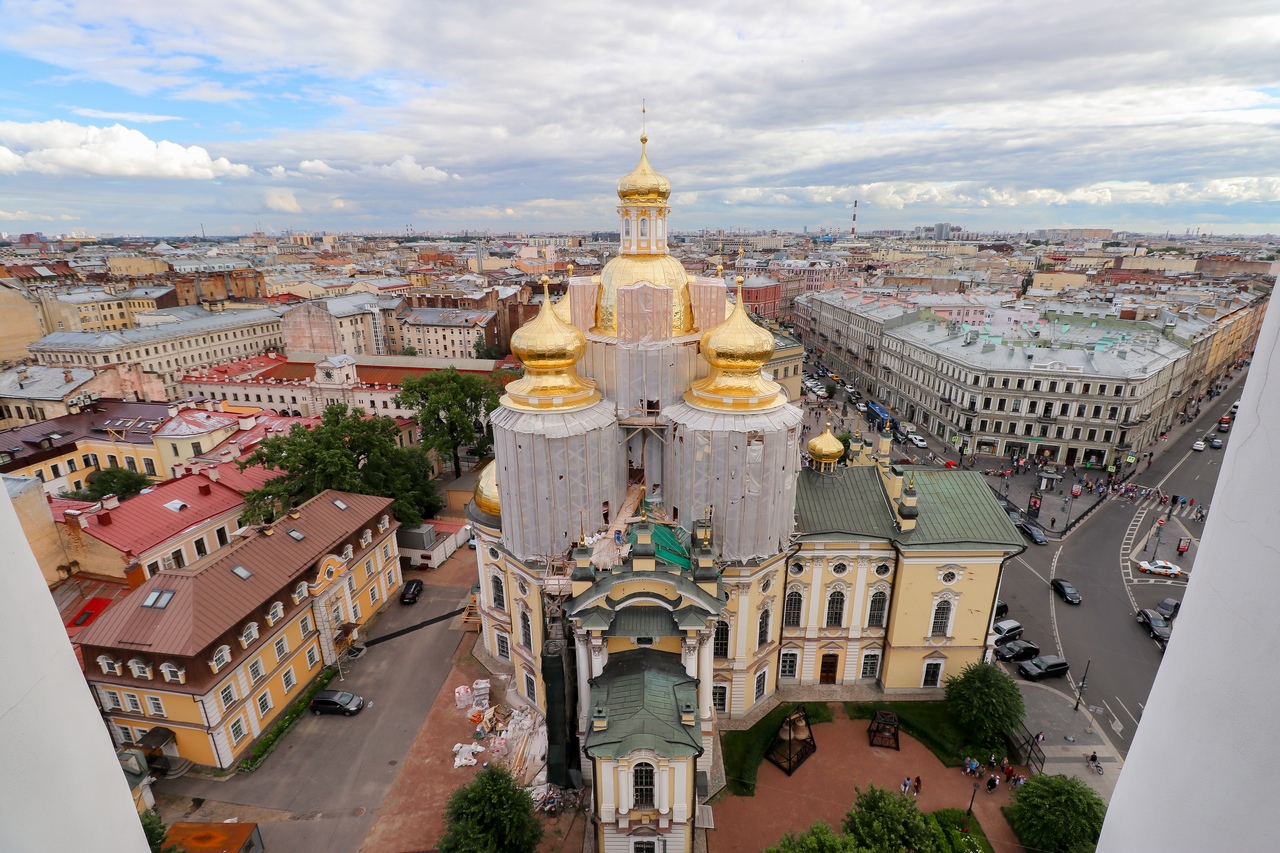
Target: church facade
point(653, 557)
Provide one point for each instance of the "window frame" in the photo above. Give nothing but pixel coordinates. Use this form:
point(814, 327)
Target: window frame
point(942, 608)
point(793, 609)
point(874, 619)
point(644, 787)
point(789, 664)
point(834, 596)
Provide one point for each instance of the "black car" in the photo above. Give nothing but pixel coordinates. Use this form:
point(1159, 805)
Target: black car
point(412, 589)
point(1048, 666)
point(1033, 532)
point(1066, 591)
point(336, 702)
point(1169, 608)
point(1157, 626)
point(1002, 609)
point(1017, 650)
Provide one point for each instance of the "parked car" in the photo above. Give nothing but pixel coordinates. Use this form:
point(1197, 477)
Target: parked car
point(918, 441)
point(1199, 445)
point(1155, 624)
point(1002, 609)
point(1235, 407)
point(862, 407)
point(336, 702)
point(412, 589)
point(1016, 650)
point(1216, 444)
point(1160, 567)
point(1169, 608)
point(1006, 630)
point(1031, 531)
point(1066, 591)
point(1048, 666)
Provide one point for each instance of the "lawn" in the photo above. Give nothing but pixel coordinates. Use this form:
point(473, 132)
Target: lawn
point(744, 750)
point(928, 722)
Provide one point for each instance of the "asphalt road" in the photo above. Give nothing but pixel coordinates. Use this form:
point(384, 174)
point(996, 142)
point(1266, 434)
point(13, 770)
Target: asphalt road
point(1102, 632)
point(333, 772)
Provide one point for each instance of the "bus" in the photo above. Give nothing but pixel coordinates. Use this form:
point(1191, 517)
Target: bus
point(878, 412)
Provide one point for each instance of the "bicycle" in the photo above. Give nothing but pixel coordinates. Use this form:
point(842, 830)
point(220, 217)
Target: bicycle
point(1096, 766)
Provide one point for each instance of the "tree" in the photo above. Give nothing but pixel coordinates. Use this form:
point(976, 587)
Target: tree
point(408, 350)
point(347, 451)
point(1059, 814)
point(818, 838)
point(985, 702)
point(155, 831)
point(485, 351)
point(450, 407)
point(120, 482)
point(884, 820)
point(491, 815)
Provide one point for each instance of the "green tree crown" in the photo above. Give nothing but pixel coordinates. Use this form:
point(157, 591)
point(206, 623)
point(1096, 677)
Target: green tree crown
point(884, 820)
point(493, 814)
point(985, 702)
point(1057, 814)
point(451, 408)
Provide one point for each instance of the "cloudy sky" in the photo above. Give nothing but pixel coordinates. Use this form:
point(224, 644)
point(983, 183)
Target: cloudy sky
point(141, 116)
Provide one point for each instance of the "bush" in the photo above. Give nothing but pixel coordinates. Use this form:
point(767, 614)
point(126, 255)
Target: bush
point(1057, 814)
point(887, 820)
point(986, 703)
point(744, 750)
point(493, 813)
point(264, 745)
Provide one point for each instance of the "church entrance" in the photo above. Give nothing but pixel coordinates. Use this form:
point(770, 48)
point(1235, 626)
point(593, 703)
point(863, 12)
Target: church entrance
point(827, 674)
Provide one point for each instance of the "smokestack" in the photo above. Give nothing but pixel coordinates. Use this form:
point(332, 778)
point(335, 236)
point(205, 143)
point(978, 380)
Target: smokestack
point(212, 473)
point(110, 502)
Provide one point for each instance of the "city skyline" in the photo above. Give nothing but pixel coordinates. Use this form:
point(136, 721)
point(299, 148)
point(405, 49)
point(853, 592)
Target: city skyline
point(123, 118)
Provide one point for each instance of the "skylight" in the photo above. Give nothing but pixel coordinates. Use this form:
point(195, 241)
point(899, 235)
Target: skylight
point(339, 504)
point(241, 572)
point(176, 506)
point(158, 599)
point(297, 534)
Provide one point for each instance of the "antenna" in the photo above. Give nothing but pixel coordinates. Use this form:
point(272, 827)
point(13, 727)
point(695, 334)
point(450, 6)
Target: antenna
point(854, 232)
point(643, 127)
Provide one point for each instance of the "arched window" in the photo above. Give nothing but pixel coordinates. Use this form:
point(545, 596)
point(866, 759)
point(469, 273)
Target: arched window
point(762, 630)
point(275, 613)
point(499, 594)
point(526, 630)
point(642, 785)
point(626, 228)
point(941, 619)
point(835, 609)
point(644, 227)
point(876, 613)
point(720, 647)
point(791, 609)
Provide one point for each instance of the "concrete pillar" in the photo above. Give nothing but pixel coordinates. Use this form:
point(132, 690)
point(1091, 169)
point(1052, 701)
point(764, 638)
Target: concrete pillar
point(706, 672)
point(599, 655)
point(624, 789)
point(583, 660)
point(663, 784)
point(689, 656)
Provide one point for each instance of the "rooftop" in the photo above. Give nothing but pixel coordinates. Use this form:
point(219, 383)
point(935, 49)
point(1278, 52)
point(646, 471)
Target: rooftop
point(40, 382)
point(147, 335)
point(643, 690)
point(158, 514)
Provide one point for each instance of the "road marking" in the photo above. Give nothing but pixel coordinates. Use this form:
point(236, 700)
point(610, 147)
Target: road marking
point(1175, 468)
point(1127, 711)
point(1115, 721)
point(1053, 605)
point(1031, 569)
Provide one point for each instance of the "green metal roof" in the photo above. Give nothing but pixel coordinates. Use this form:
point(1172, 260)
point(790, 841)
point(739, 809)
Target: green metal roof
point(643, 620)
point(957, 509)
point(672, 544)
point(681, 585)
point(643, 691)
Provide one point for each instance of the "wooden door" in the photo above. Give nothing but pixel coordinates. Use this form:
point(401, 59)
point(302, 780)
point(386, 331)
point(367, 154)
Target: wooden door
point(827, 674)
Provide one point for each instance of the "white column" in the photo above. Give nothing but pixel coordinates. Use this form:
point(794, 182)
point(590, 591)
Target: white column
point(664, 790)
point(689, 650)
point(624, 789)
point(599, 655)
point(706, 672)
point(583, 657)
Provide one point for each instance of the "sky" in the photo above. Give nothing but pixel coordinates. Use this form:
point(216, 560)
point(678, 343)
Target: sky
point(143, 117)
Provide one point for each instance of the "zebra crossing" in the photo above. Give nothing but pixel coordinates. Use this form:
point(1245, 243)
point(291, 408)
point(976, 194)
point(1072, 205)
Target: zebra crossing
point(1152, 502)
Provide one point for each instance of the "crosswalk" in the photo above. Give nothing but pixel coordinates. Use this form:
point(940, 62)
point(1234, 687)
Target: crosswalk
point(1153, 503)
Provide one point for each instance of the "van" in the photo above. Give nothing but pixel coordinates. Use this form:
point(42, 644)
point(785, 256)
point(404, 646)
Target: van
point(1235, 407)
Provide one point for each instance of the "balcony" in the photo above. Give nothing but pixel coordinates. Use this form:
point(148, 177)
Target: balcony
point(1046, 418)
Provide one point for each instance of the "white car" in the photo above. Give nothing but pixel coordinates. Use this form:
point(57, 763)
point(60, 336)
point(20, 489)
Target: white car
point(861, 407)
point(1160, 567)
point(917, 440)
point(1199, 445)
point(822, 394)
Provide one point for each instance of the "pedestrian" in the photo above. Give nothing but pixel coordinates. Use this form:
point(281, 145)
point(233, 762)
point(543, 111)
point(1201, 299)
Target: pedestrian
point(906, 785)
point(991, 762)
point(1039, 737)
point(992, 784)
point(1008, 773)
point(1053, 522)
point(915, 789)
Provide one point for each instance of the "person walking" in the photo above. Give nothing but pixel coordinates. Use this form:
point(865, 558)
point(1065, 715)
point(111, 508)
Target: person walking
point(992, 784)
point(915, 788)
point(906, 785)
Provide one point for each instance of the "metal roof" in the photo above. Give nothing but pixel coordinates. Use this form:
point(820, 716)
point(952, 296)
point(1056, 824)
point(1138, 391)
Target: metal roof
point(643, 691)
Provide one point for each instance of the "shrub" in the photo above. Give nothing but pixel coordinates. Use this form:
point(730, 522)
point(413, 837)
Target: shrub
point(1058, 814)
point(493, 813)
point(887, 820)
point(986, 703)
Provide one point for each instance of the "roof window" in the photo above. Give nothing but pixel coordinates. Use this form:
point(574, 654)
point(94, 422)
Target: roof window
point(158, 599)
point(297, 534)
point(241, 572)
point(339, 504)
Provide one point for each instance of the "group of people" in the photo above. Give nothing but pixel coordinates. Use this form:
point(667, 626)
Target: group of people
point(910, 787)
point(993, 771)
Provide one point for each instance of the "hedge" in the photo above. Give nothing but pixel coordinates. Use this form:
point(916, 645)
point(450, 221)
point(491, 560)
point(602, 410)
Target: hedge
point(265, 744)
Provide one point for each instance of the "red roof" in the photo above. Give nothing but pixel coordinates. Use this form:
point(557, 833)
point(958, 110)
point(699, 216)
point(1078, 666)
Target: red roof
point(144, 521)
point(59, 506)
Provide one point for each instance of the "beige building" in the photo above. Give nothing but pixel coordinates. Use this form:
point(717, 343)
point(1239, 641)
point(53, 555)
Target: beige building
point(359, 324)
point(36, 517)
point(446, 332)
point(136, 265)
point(22, 322)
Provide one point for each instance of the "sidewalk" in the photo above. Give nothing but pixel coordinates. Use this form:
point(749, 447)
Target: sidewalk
point(1069, 736)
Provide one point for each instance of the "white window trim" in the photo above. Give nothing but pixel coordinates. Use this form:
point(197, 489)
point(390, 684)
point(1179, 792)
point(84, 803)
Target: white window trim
point(791, 654)
point(313, 657)
point(152, 703)
point(862, 663)
point(266, 694)
point(761, 690)
point(924, 669)
point(285, 677)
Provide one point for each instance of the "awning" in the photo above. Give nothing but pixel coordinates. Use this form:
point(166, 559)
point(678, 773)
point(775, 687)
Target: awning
point(156, 738)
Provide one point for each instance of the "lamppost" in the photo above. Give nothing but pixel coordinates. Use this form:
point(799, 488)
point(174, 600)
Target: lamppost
point(1159, 530)
point(1082, 686)
point(971, 798)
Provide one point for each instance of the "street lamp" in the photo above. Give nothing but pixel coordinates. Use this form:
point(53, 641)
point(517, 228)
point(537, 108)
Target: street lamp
point(971, 798)
point(1082, 686)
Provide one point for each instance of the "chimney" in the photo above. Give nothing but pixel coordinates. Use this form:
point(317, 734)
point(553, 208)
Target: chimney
point(247, 422)
point(67, 377)
point(104, 517)
point(110, 502)
point(173, 410)
point(688, 714)
point(212, 473)
point(204, 489)
point(599, 719)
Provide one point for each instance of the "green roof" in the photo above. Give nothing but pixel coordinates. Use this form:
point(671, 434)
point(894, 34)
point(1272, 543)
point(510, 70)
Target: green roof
point(643, 691)
point(957, 509)
point(643, 620)
point(671, 544)
point(681, 586)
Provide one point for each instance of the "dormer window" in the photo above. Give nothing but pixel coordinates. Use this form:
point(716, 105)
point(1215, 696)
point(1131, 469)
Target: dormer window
point(109, 666)
point(172, 672)
point(347, 552)
point(366, 537)
point(299, 592)
point(275, 614)
point(248, 635)
point(139, 668)
point(221, 657)
point(383, 524)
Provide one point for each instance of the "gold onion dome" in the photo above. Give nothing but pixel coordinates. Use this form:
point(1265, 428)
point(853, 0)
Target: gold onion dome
point(737, 350)
point(487, 498)
point(826, 449)
point(643, 185)
point(549, 349)
point(562, 309)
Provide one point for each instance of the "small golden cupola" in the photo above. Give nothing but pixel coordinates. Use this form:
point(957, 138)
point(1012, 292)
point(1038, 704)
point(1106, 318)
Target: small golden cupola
point(549, 349)
point(825, 450)
point(737, 351)
point(642, 185)
point(562, 309)
point(488, 500)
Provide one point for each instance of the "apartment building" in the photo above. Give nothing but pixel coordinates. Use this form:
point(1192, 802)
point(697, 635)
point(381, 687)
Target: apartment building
point(446, 332)
point(199, 661)
point(194, 338)
point(359, 324)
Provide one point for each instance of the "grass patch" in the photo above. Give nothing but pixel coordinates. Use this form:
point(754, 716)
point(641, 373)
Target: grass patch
point(744, 750)
point(271, 737)
point(962, 832)
point(928, 722)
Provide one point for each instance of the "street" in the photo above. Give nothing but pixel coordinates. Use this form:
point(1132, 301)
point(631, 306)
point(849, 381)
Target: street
point(1102, 631)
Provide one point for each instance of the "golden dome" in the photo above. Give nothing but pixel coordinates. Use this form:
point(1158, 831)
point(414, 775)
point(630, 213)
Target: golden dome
point(643, 185)
point(659, 270)
point(562, 310)
point(487, 498)
point(549, 349)
point(826, 449)
point(737, 350)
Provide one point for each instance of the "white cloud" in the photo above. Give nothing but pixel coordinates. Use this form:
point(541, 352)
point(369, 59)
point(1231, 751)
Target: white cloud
point(281, 201)
point(22, 215)
point(63, 148)
point(317, 167)
point(211, 92)
point(406, 168)
point(136, 118)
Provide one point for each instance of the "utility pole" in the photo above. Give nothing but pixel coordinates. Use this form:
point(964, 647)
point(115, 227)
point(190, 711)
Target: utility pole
point(1082, 686)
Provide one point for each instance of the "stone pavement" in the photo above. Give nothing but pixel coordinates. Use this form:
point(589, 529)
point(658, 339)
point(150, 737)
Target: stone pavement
point(1069, 736)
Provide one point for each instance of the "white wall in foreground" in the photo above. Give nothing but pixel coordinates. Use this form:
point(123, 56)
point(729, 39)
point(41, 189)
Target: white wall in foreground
point(61, 787)
point(1204, 770)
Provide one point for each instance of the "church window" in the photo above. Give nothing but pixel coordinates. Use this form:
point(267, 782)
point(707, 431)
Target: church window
point(526, 630)
point(941, 619)
point(499, 594)
point(644, 227)
point(720, 698)
point(792, 608)
point(720, 647)
point(835, 609)
point(642, 785)
point(871, 665)
point(762, 630)
point(789, 664)
point(875, 614)
point(626, 228)
point(762, 683)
